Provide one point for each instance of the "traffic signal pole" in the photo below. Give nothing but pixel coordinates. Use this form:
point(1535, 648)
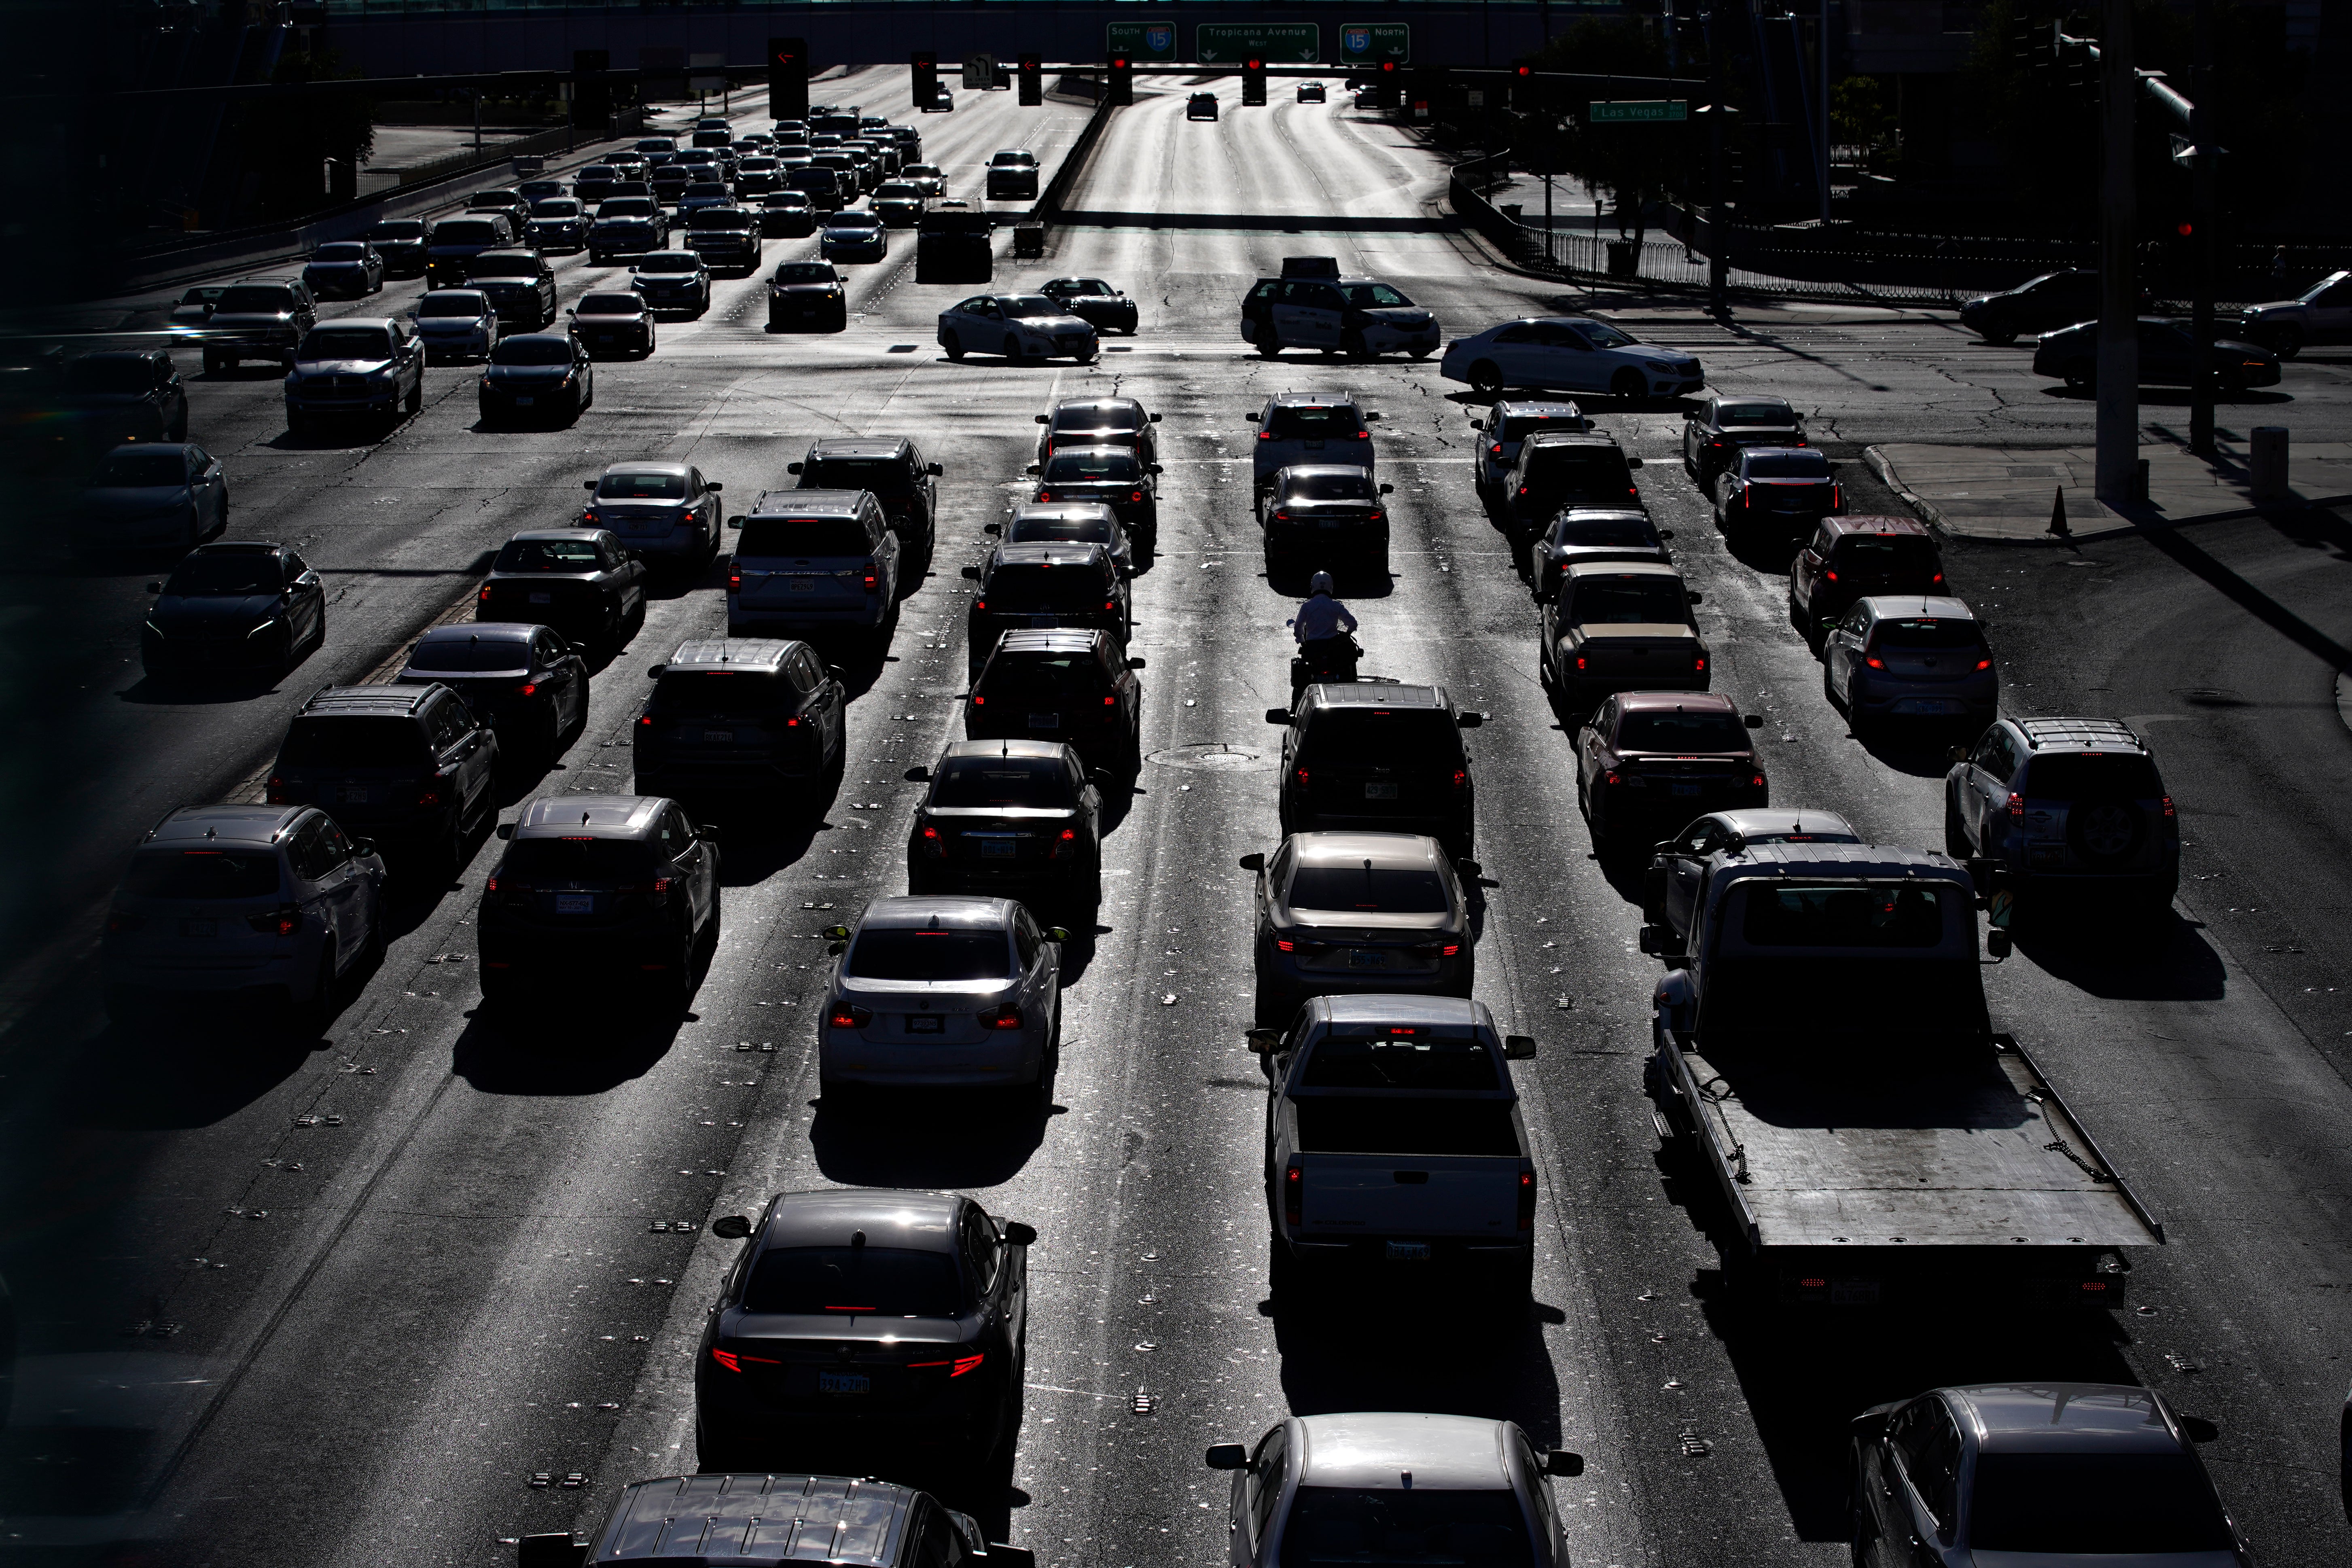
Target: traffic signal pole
point(2116, 470)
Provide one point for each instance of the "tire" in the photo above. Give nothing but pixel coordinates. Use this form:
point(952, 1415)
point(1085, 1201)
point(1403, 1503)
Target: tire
point(196, 529)
point(2081, 375)
point(214, 363)
point(1267, 1010)
point(1012, 351)
point(2286, 341)
point(1486, 378)
point(1354, 346)
point(1269, 342)
point(179, 425)
point(1999, 337)
point(313, 1014)
point(1627, 385)
point(952, 345)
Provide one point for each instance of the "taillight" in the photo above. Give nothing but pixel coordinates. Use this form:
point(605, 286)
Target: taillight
point(1045, 495)
point(1984, 664)
point(1612, 778)
point(1135, 496)
point(1293, 1193)
point(1837, 498)
point(121, 920)
point(1579, 661)
point(1300, 775)
point(873, 578)
point(1496, 451)
point(1265, 435)
point(485, 596)
point(1363, 435)
point(588, 518)
point(933, 843)
point(1833, 576)
point(1936, 578)
point(1282, 517)
point(1523, 490)
point(2169, 814)
point(1006, 1017)
point(1873, 660)
point(277, 792)
point(979, 702)
point(726, 1359)
point(1527, 1200)
point(1460, 777)
point(1111, 702)
point(1755, 781)
point(1110, 604)
point(1747, 497)
point(527, 689)
point(1284, 944)
point(734, 580)
point(2016, 807)
point(956, 1366)
point(428, 797)
point(283, 921)
point(844, 1016)
point(1378, 516)
point(1699, 664)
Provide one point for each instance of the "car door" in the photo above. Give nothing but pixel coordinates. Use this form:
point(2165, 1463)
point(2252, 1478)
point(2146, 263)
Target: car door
point(2330, 313)
point(692, 859)
point(1686, 867)
point(342, 888)
point(1593, 743)
point(1261, 1491)
point(1805, 570)
point(1985, 810)
point(208, 484)
point(306, 601)
point(1564, 360)
point(1841, 647)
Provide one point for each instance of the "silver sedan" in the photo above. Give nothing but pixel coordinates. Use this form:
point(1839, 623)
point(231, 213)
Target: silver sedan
point(456, 324)
point(940, 992)
point(1911, 656)
point(1349, 912)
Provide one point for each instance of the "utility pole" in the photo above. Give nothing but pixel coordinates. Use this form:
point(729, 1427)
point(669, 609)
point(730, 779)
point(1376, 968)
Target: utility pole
point(2116, 470)
point(1825, 111)
point(2200, 242)
point(1718, 223)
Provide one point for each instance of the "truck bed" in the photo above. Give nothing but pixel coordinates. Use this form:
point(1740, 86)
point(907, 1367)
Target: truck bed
point(1352, 1125)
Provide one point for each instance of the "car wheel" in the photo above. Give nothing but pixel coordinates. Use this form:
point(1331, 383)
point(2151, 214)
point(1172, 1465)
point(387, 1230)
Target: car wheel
point(1486, 378)
point(2000, 337)
point(180, 424)
point(953, 345)
point(1011, 350)
point(1271, 1008)
point(1627, 385)
point(1269, 342)
point(414, 403)
point(2286, 341)
point(2081, 375)
point(196, 529)
point(312, 1013)
point(1354, 346)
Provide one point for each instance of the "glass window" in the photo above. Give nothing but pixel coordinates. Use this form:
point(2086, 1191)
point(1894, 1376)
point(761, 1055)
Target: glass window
point(581, 858)
point(1601, 335)
point(670, 261)
point(806, 272)
point(463, 305)
point(808, 537)
point(471, 655)
point(1352, 484)
point(1992, 754)
point(864, 1282)
point(347, 342)
point(341, 250)
point(981, 782)
point(1887, 915)
point(1624, 533)
point(142, 470)
point(1027, 941)
point(1548, 470)
point(1266, 1477)
point(531, 350)
point(639, 485)
point(1313, 421)
point(1358, 1056)
point(1755, 414)
point(2061, 1504)
point(1388, 890)
point(883, 476)
point(626, 207)
point(1091, 466)
point(556, 206)
point(1786, 466)
point(905, 953)
point(1030, 307)
point(1683, 733)
point(1629, 601)
point(2092, 775)
point(1419, 734)
point(1337, 1525)
point(398, 229)
point(547, 555)
point(1061, 529)
point(160, 873)
point(451, 722)
point(98, 374)
point(1373, 295)
point(1519, 427)
point(354, 741)
point(715, 693)
point(1928, 635)
point(1098, 416)
point(1886, 552)
point(467, 231)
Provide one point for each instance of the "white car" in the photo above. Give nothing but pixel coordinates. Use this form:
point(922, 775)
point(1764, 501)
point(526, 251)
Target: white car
point(2324, 314)
point(1359, 317)
point(1018, 326)
point(941, 991)
point(928, 178)
point(456, 323)
point(1569, 354)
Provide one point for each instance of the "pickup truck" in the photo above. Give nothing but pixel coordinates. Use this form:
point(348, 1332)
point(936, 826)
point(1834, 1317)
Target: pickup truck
point(1825, 1058)
point(1393, 1142)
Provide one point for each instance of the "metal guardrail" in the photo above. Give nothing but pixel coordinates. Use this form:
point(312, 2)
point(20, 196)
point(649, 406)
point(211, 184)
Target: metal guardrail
point(563, 139)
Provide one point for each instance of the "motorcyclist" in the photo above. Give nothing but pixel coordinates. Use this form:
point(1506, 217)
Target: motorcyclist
point(1321, 626)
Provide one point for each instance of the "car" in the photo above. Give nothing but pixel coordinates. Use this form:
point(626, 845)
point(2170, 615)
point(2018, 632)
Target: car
point(1072, 684)
point(1782, 492)
point(608, 324)
point(1014, 818)
point(411, 766)
point(1111, 476)
point(1043, 586)
point(345, 268)
point(790, 131)
point(701, 194)
point(594, 183)
point(355, 367)
point(807, 294)
point(1671, 889)
point(1310, 92)
point(754, 718)
point(1018, 326)
point(1376, 755)
point(670, 180)
point(943, 101)
point(2043, 304)
point(1322, 1487)
point(823, 187)
point(658, 510)
point(546, 373)
point(1310, 427)
point(149, 495)
point(2066, 806)
point(456, 324)
point(910, 143)
point(637, 188)
point(814, 564)
point(626, 226)
point(701, 166)
point(940, 992)
point(1619, 626)
point(726, 236)
point(787, 214)
point(1011, 175)
point(1647, 755)
point(524, 681)
point(852, 168)
point(537, 191)
point(1324, 517)
point(558, 225)
point(1092, 300)
point(2323, 314)
point(1359, 317)
point(1850, 558)
point(2168, 357)
point(233, 606)
point(632, 172)
point(953, 244)
point(714, 122)
point(400, 241)
point(581, 580)
point(882, 1326)
point(885, 155)
point(1358, 914)
point(1201, 106)
point(1714, 433)
point(1504, 427)
point(898, 202)
point(851, 235)
point(894, 469)
point(1098, 421)
point(928, 178)
point(2047, 1472)
point(1569, 354)
point(591, 886)
point(1560, 468)
point(1582, 534)
point(1071, 522)
point(453, 243)
point(125, 395)
point(656, 149)
point(756, 175)
point(672, 281)
point(190, 316)
point(505, 202)
point(258, 317)
point(271, 901)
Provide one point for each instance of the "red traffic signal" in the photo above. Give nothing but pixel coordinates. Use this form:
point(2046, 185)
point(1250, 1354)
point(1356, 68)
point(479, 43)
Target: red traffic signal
point(1253, 64)
point(2185, 229)
point(1524, 71)
point(1118, 63)
point(1388, 68)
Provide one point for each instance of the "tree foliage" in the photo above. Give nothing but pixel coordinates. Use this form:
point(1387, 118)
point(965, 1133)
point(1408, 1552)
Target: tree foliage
point(285, 141)
point(1635, 163)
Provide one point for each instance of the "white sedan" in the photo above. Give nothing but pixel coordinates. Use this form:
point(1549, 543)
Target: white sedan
point(1569, 354)
point(1018, 326)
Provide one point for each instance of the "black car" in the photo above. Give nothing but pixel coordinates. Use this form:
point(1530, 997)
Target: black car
point(1099, 422)
point(524, 681)
point(672, 281)
point(347, 269)
point(746, 716)
point(594, 183)
point(670, 180)
point(626, 226)
point(123, 394)
point(610, 325)
point(2168, 357)
point(1594, 533)
point(1113, 476)
point(726, 236)
point(952, 245)
point(238, 606)
point(787, 214)
point(1064, 685)
point(454, 242)
point(537, 375)
point(1094, 301)
point(578, 580)
point(411, 767)
point(1778, 490)
point(1716, 430)
point(507, 202)
point(1027, 587)
point(558, 223)
point(400, 242)
point(828, 190)
point(1008, 819)
point(1201, 106)
point(1310, 92)
point(864, 1523)
point(699, 195)
point(887, 1327)
point(592, 886)
point(1321, 517)
point(261, 318)
point(893, 467)
point(1558, 469)
point(1378, 756)
point(2052, 300)
point(808, 295)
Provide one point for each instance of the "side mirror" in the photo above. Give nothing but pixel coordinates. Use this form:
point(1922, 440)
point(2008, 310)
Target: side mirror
point(1044, 419)
point(835, 948)
point(1251, 417)
point(1560, 1462)
point(1277, 715)
point(568, 310)
point(655, 671)
point(1632, 462)
point(792, 468)
point(919, 775)
point(935, 471)
point(1476, 423)
point(731, 1228)
point(970, 573)
point(1469, 868)
point(1153, 468)
point(363, 848)
point(995, 528)
point(837, 932)
point(1754, 721)
point(1227, 1457)
point(713, 486)
point(1651, 940)
point(707, 832)
point(1665, 534)
point(1155, 419)
point(1135, 664)
point(1388, 489)
point(1956, 754)
point(735, 521)
point(1019, 1234)
point(1997, 945)
point(1369, 417)
point(1696, 598)
point(1033, 468)
point(1253, 861)
point(1057, 933)
point(1519, 1048)
point(587, 484)
point(1263, 1042)
point(1470, 718)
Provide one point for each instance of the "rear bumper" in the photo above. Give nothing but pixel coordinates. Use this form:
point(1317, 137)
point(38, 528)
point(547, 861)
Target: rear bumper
point(1593, 688)
point(651, 945)
point(777, 618)
point(1017, 1059)
point(1975, 701)
point(727, 1413)
point(1281, 974)
point(181, 975)
point(678, 777)
point(1621, 806)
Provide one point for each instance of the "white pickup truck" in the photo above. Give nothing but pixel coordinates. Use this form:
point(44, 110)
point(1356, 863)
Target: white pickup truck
point(1394, 1140)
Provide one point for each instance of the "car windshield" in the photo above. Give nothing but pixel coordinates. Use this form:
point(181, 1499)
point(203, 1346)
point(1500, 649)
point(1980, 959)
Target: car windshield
point(96, 374)
point(1098, 416)
point(900, 953)
point(671, 261)
point(202, 294)
point(1372, 296)
point(1013, 161)
point(897, 189)
point(876, 1281)
point(610, 305)
point(1516, 427)
point(927, 170)
point(1398, 1056)
point(1011, 677)
point(462, 305)
point(1629, 601)
point(583, 857)
point(883, 476)
point(1787, 466)
point(202, 874)
point(716, 691)
point(2092, 775)
point(237, 575)
point(1623, 532)
point(806, 272)
point(787, 202)
point(1600, 335)
point(341, 250)
point(1313, 421)
point(853, 220)
point(722, 218)
point(1419, 734)
point(346, 342)
point(771, 538)
point(398, 229)
point(2053, 1505)
point(705, 191)
point(1077, 286)
point(556, 206)
point(357, 740)
point(466, 231)
point(257, 299)
point(493, 264)
point(1342, 1527)
point(627, 206)
point(531, 351)
point(1681, 733)
point(142, 470)
point(1090, 467)
point(1033, 586)
point(1351, 485)
point(1060, 530)
point(547, 555)
point(1029, 306)
point(979, 783)
point(1927, 635)
point(1886, 915)
point(471, 654)
point(1388, 889)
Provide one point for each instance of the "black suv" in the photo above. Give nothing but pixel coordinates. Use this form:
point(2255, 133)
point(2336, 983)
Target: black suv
point(753, 715)
point(2066, 803)
point(1379, 756)
point(892, 467)
point(1073, 686)
point(1560, 468)
point(1038, 585)
point(593, 885)
point(409, 766)
point(1008, 819)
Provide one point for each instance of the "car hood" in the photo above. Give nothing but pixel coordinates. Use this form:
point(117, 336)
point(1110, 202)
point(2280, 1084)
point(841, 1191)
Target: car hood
point(2276, 307)
point(125, 500)
point(332, 266)
point(803, 288)
point(252, 318)
point(431, 324)
point(609, 321)
point(176, 610)
point(340, 367)
point(2230, 345)
point(625, 220)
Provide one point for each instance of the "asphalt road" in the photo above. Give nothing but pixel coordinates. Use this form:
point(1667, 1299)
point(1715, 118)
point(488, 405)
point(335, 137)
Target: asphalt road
point(375, 1330)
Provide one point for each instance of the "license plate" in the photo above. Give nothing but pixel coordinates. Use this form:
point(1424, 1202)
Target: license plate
point(1326, 523)
point(603, 337)
point(542, 598)
point(1314, 445)
point(575, 903)
point(1379, 792)
point(1682, 789)
point(1408, 1251)
point(996, 849)
point(352, 795)
point(844, 1382)
point(1045, 721)
point(1853, 1292)
point(200, 928)
point(522, 402)
point(800, 585)
point(925, 1024)
point(720, 737)
point(1926, 705)
point(1367, 958)
point(808, 310)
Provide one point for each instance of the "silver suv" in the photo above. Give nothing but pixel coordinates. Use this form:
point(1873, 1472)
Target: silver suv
point(2066, 802)
point(1508, 423)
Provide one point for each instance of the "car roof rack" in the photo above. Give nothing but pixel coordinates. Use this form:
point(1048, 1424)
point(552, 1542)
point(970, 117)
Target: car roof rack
point(2041, 733)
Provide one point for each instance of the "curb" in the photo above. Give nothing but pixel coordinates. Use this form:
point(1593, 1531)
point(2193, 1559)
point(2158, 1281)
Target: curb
point(1932, 516)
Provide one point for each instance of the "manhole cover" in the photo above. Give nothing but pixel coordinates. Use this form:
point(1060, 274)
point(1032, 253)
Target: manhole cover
point(1214, 755)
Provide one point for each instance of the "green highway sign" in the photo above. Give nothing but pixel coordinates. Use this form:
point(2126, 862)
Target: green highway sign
point(1637, 110)
point(1146, 43)
point(1368, 43)
point(1275, 43)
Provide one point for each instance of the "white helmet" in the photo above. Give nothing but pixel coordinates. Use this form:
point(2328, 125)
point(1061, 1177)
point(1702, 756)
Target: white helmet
point(1318, 584)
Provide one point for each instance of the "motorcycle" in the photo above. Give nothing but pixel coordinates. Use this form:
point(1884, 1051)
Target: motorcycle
point(1324, 659)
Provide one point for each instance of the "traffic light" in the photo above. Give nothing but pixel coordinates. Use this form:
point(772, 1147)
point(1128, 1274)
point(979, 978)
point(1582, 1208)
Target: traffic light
point(1122, 81)
point(1520, 91)
point(1252, 81)
point(1033, 80)
point(788, 75)
point(592, 95)
point(926, 68)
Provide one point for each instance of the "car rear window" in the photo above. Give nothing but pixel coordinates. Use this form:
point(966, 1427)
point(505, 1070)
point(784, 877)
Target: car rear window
point(548, 556)
point(1399, 1057)
point(1059, 531)
point(471, 655)
point(466, 231)
point(1074, 589)
point(1090, 467)
point(978, 782)
point(883, 476)
point(2061, 1504)
point(1382, 734)
point(1388, 889)
point(679, 261)
point(357, 740)
point(611, 305)
point(1683, 733)
point(202, 874)
point(109, 375)
point(639, 486)
point(1887, 915)
point(347, 342)
point(1098, 416)
point(1755, 413)
point(1886, 552)
point(555, 206)
point(1588, 468)
point(722, 218)
point(2092, 775)
point(627, 206)
point(1927, 633)
point(1519, 427)
point(140, 470)
point(867, 1281)
point(1604, 531)
point(1352, 485)
point(902, 952)
point(1787, 466)
point(582, 858)
point(1012, 676)
point(398, 229)
point(1330, 1526)
point(717, 691)
point(531, 351)
point(1630, 601)
point(804, 538)
point(1313, 421)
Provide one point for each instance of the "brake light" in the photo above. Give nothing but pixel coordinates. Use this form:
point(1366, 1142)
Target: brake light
point(872, 577)
point(1110, 604)
point(1299, 774)
point(1069, 835)
point(959, 1365)
point(1833, 576)
point(1634, 490)
point(1699, 664)
point(1265, 435)
point(844, 1016)
point(1045, 495)
point(2169, 814)
point(1460, 777)
point(1496, 451)
point(1747, 497)
point(428, 797)
point(1527, 1200)
point(1281, 517)
point(1110, 701)
point(1984, 664)
point(1837, 498)
point(1523, 490)
point(1755, 781)
point(726, 1359)
point(734, 580)
point(527, 689)
point(1006, 1017)
point(979, 702)
point(1363, 435)
point(1293, 1193)
point(485, 597)
point(1579, 661)
point(1284, 944)
point(283, 921)
point(2016, 807)
point(1136, 496)
point(589, 517)
point(644, 721)
point(1614, 778)
point(1936, 578)
point(277, 792)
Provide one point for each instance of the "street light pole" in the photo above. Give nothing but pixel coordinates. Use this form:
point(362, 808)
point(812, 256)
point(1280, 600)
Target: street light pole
point(2117, 466)
point(2200, 241)
point(1825, 111)
point(1719, 225)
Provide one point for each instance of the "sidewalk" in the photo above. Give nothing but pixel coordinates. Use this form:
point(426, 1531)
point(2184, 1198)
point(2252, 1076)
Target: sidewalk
point(2007, 492)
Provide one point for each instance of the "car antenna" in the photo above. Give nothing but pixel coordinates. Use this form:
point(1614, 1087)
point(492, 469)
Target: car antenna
point(583, 819)
point(856, 1239)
